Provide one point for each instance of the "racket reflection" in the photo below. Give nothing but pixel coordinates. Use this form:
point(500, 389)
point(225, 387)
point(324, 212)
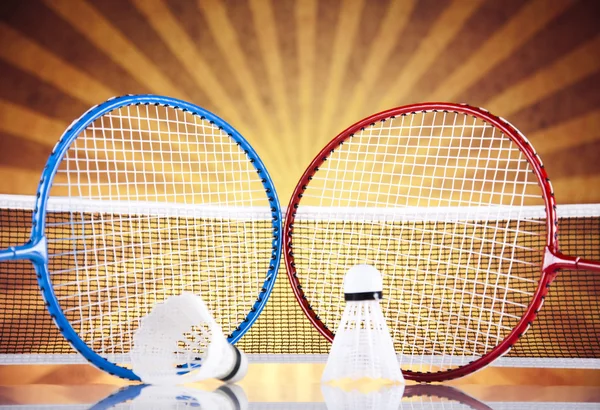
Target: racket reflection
point(394, 397)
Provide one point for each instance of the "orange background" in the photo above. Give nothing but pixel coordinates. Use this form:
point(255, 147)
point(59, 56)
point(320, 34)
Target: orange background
point(289, 75)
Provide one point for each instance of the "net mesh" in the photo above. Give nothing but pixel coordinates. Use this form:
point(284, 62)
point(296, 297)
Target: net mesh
point(566, 328)
point(449, 209)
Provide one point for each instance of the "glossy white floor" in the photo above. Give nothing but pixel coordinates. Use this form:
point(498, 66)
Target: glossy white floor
point(280, 386)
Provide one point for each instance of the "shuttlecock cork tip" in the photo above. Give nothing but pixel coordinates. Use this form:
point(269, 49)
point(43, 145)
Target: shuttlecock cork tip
point(363, 282)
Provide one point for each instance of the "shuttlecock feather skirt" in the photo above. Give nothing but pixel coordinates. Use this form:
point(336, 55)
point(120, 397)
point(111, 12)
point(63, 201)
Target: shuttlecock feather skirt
point(362, 347)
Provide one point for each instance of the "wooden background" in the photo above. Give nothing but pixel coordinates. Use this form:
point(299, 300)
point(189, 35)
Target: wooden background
point(289, 75)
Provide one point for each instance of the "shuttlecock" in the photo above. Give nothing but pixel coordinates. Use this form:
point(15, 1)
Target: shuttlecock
point(362, 346)
point(174, 397)
point(180, 342)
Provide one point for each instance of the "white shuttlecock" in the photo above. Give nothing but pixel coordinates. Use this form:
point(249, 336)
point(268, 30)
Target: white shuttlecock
point(180, 342)
point(362, 346)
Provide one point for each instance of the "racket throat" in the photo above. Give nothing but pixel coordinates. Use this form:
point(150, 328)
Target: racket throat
point(36, 252)
point(554, 260)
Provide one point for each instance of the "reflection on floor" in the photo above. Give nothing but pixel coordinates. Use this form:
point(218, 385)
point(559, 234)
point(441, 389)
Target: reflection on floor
point(299, 383)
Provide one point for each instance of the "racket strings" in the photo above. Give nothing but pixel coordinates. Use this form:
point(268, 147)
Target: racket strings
point(124, 246)
point(135, 278)
point(112, 156)
point(419, 173)
point(461, 269)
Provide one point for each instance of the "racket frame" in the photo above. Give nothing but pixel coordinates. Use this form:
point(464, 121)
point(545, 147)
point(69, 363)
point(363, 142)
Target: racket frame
point(553, 260)
point(36, 249)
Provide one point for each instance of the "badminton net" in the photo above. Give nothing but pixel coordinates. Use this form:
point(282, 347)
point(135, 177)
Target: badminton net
point(564, 335)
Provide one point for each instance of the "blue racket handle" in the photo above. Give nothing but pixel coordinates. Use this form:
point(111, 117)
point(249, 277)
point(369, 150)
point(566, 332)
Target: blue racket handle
point(36, 252)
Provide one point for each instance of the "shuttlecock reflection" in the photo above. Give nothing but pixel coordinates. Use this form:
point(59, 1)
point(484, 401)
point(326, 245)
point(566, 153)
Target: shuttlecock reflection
point(397, 397)
point(226, 397)
point(363, 397)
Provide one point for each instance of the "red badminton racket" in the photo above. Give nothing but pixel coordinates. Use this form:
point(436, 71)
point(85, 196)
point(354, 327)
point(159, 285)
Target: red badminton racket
point(453, 205)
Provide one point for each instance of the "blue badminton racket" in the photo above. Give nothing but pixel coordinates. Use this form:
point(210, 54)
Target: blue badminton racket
point(145, 197)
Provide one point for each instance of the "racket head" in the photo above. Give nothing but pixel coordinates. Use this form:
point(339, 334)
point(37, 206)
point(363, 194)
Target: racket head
point(179, 146)
point(341, 179)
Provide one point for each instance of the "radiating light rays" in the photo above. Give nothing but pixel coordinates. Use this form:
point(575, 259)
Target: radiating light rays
point(100, 32)
point(264, 20)
point(30, 57)
point(287, 140)
point(38, 128)
point(182, 46)
point(306, 26)
point(441, 33)
point(394, 22)
point(346, 33)
point(225, 35)
point(527, 22)
point(573, 132)
point(287, 163)
point(567, 70)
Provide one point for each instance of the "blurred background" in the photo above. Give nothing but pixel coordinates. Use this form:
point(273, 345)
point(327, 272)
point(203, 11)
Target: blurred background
point(290, 75)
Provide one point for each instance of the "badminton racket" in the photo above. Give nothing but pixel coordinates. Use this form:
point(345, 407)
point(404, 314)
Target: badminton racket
point(398, 397)
point(453, 205)
point(145, 197)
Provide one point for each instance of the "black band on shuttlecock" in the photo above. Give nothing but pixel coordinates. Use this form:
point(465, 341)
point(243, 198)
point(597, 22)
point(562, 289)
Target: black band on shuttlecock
point(236, 366)
point(357, 297)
